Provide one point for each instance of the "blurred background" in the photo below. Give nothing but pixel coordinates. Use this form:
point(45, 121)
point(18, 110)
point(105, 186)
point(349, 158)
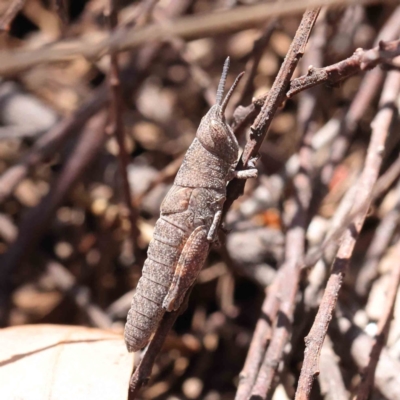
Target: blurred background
point(70, 250)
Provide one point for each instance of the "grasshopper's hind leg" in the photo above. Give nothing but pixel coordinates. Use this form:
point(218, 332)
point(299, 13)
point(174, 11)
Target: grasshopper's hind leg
point(189, 265)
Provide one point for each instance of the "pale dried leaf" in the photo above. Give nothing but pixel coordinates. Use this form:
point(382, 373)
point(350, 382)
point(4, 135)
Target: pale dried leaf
point(54, 362)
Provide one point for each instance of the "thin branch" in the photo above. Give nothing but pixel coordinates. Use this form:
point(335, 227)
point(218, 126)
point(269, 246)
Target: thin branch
point(190, 27)
point(296, 211)
point(13, 9)
point(256, 373)
point(361, 60)
point(315, 338)
point(274, 99)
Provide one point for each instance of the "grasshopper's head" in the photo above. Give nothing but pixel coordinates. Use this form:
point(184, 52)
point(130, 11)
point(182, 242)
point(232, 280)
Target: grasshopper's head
point(214, 133)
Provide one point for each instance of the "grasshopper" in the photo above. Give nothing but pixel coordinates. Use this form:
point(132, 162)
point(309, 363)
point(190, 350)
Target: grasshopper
point(190, 216)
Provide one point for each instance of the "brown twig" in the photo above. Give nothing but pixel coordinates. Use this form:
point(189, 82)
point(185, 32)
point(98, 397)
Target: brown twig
point(274, 99)
point(315, 338)
point(116, 129)
point(361, 60)
point(296, 211)
point(13, 9)
point(189, 27)
point(367, 382)
point(265, 370)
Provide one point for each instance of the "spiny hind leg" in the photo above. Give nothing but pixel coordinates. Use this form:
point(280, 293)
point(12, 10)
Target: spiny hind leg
point(189, 265)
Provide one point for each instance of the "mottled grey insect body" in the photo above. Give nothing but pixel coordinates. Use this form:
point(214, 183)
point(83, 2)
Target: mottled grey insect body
point(190, 216)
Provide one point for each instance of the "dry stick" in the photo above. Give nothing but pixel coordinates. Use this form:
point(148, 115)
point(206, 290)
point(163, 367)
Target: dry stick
point(296, 210)
point(379, 244)
point(116, 129)
point(189, 27)
point(361, 60)
point(259, 130)
point(368, 89)
point(367, 382)
point(274, 99)
point(315, 338)
point(36, 219)
point(13, 9)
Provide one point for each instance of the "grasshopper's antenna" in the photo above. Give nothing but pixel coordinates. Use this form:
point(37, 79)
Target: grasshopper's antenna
point(229, 94)
point(221, 85)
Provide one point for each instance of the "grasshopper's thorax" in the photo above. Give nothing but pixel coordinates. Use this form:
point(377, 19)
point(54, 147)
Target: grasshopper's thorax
point(217, 137)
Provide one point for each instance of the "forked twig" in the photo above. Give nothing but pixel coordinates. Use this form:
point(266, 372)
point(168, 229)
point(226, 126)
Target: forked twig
point(257, 373)
point(275, 98)
point(361, 60)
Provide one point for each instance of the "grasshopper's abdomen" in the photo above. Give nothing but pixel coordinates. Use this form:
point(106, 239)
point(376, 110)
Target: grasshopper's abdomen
point(158, 270)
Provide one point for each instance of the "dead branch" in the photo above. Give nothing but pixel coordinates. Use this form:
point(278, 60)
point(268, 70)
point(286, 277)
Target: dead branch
point(259, 130)
point(314, 340)
point(296, 211)
point(274, 99)
point(192, 27)
point(361, 60)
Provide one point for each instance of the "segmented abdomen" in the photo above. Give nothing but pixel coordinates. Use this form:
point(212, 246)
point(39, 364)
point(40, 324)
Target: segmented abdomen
point(158, 271)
